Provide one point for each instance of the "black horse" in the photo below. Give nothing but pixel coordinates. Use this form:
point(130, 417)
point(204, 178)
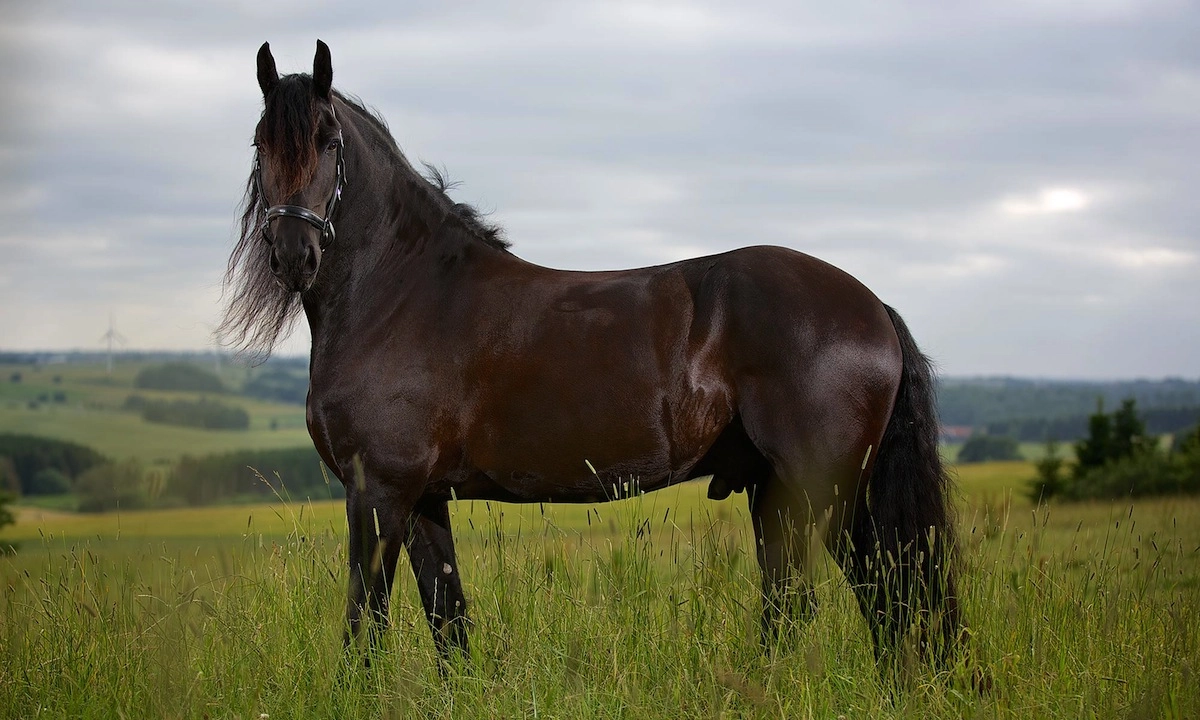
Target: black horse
point(444, 366)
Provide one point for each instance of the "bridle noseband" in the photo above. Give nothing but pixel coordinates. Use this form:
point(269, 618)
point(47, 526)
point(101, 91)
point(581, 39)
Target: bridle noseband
point(324, 224)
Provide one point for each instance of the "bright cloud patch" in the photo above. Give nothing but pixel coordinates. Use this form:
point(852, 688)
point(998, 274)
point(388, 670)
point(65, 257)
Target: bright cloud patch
point(1153, 257)
point(1048, 201)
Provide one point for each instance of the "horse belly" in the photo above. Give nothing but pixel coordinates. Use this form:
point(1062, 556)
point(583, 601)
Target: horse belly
point(610, 385)
point(588, 442)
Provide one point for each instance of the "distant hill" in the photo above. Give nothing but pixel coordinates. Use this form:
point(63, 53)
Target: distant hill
point(1024, 408)
point(1037, 409)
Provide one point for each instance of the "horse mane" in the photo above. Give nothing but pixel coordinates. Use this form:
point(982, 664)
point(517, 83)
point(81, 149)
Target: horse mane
point(260, 312)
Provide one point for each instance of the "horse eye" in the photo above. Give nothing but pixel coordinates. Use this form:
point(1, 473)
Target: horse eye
point(333, 144)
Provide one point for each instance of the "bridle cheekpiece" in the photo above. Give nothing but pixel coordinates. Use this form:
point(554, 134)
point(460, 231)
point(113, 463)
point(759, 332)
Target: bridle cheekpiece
point(324, 224)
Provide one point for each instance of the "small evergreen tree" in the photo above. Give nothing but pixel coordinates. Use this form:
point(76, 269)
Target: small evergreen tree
point(1049, 480)
point(982, 448)
point(1128, 431)
point(1186, 456)
point(1096, 449)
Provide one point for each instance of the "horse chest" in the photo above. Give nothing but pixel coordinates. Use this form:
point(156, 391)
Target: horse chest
point(393, 430)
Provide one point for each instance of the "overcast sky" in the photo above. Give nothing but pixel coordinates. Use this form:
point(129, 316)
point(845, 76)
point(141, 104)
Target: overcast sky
point(1020, 179)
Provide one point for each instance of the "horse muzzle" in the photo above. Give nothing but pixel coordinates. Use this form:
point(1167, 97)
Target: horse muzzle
point(295, 261)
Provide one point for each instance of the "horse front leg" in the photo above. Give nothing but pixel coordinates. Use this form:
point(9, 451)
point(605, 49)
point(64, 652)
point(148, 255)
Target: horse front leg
point(431, 552)
point(376, 533)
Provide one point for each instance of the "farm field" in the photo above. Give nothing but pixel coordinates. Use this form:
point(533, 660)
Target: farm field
point(91, 414)
point(642, 608)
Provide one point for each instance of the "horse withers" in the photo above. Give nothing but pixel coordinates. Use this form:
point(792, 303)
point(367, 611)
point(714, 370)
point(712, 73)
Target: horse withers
point(444, 366)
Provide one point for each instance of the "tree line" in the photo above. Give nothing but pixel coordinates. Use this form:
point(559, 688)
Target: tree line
point(36, 466)
point(203, 413)
point(980, 402)
point(1158, 421)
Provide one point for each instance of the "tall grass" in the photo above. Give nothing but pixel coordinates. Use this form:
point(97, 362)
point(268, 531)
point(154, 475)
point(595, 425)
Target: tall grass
point(643, 608)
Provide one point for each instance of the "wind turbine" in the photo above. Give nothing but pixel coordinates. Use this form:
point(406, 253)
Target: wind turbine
point(215, 336)
point(111, 336)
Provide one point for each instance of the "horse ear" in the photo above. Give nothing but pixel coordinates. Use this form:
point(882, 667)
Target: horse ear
point(267, 74)
point(322, 71)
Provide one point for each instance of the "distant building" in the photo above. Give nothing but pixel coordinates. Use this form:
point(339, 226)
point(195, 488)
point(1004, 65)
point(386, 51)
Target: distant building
point(955, 433)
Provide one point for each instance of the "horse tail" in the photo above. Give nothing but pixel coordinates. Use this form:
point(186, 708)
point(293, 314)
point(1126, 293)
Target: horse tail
point(906, 539)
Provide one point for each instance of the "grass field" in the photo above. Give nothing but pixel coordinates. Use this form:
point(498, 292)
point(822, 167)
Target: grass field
point(644, 608)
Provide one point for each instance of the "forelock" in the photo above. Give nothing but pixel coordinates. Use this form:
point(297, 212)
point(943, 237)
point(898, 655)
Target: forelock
point(287, 133)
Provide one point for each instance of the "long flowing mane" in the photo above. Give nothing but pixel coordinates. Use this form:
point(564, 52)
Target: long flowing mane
point(259, 311)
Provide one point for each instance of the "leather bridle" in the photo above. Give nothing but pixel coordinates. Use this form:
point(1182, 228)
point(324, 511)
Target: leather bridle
point(324, 224)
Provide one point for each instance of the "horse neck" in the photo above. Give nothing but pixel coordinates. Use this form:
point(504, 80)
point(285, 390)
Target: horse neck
point(390, 231)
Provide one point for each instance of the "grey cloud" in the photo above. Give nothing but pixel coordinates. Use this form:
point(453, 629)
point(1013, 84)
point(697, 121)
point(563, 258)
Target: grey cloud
point(884, 138)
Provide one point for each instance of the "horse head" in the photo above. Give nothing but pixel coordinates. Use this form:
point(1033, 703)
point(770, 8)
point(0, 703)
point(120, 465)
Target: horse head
point(299, 167)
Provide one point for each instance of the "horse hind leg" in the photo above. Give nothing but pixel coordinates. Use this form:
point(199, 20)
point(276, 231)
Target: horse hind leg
point(793, 515)
point(780, 526)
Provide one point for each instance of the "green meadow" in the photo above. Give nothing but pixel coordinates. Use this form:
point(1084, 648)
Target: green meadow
point(91, 413)
point(642, 608)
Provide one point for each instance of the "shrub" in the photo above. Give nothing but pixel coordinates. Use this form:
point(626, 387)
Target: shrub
point(1185, 453)
point(9, 480)
point(112, 486)
point(215, 478)
point(6, 516)
point(48, 481)
point(982, 448)
point(202, 413)
point(1146, 471)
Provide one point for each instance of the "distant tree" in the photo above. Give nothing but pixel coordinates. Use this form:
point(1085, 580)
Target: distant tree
point(203, 413)
point(10, 479)
point(1132, 465)
point(295, 472)
point(982, 448)
point(1188, 441)
point(6, 516)
point(1128, 430)
point(1185, 452)
point(1111, 437)
point(178, 376)
point(1096, 449)
point(287, 385)
point(15, 378)
point(48, 481)
point(112, 486)
point(1049, 480)
point(29, 454)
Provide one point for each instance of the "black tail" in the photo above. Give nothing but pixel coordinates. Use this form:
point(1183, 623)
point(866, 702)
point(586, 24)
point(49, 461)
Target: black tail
point(905, 545)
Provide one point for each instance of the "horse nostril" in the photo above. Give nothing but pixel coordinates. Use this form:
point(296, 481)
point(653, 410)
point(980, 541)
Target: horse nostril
point(274, 262)
point(310, 261)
